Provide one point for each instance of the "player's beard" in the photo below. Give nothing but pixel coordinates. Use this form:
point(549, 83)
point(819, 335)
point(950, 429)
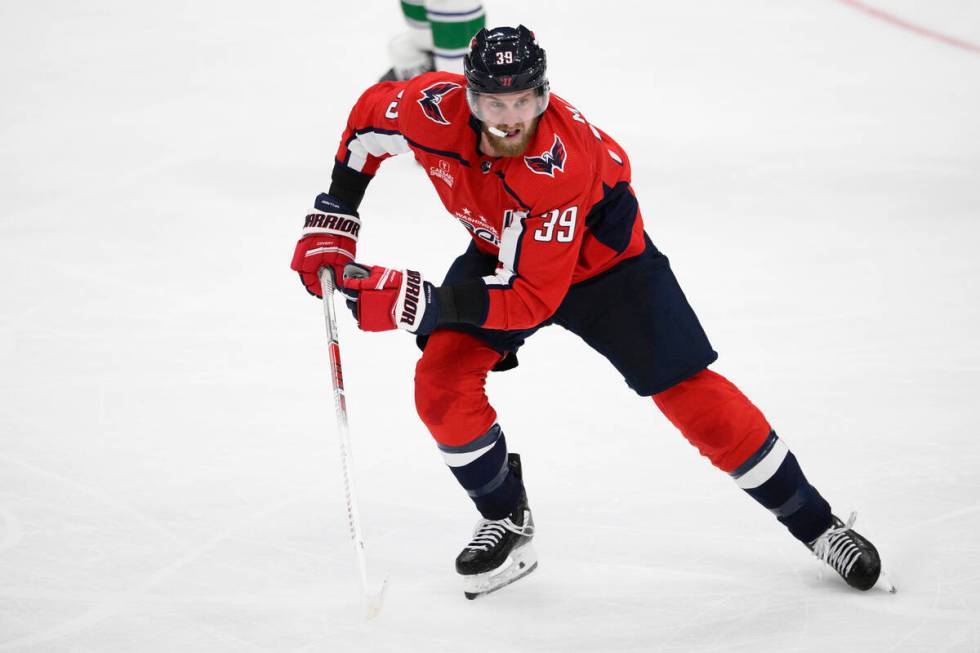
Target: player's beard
point(513, 145)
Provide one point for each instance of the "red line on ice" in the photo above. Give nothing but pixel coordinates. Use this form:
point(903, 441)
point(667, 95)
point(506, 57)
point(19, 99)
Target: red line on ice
point(912, 27)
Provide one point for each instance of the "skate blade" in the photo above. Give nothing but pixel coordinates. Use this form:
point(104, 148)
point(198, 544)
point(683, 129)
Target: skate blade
point(376, 601)
point(886, 583)
point(521, 562)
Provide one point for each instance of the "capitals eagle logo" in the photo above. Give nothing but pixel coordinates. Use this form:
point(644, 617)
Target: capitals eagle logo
point(432, 96)
point(548, 161)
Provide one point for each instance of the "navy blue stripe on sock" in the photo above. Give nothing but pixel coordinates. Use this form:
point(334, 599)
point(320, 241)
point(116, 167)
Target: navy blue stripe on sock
point(489, 437)
point(757, 456)
point(492, 484)
point(487, 478)
point(791, 498)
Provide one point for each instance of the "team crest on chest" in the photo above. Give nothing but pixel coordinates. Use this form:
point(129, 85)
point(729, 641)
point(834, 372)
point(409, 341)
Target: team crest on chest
point(550, 160)
point(432, 96)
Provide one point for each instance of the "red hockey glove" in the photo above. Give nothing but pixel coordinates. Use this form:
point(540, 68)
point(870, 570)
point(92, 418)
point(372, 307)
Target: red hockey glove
point(383, 299)
point(329, 239)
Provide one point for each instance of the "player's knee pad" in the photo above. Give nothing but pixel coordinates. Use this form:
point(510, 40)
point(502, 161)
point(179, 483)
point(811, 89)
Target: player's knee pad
point(449, 387)
point(716, 418)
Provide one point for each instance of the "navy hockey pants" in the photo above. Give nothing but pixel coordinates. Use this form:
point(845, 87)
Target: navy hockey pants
point(635, 314)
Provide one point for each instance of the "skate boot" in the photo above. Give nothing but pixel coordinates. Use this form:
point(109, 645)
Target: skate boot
point(408, 59)
point(849, 554)
point(500, 551)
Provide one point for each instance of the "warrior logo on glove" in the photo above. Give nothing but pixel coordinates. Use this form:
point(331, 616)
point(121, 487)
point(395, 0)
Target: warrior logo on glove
point(320, 222)
point(329, 240)
point(376, 295)
point(410, 305)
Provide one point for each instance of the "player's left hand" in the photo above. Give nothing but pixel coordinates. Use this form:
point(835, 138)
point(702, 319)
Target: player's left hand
point(383, 299)
point(329, 240)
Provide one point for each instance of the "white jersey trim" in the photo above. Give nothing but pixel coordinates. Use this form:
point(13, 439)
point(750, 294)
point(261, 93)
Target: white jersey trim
point(510, 238)
point(374, 144)
point(501, 279)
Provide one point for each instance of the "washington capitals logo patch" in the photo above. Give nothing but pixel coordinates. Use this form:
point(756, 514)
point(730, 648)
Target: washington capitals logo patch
point(432, 96)
point(549, 160)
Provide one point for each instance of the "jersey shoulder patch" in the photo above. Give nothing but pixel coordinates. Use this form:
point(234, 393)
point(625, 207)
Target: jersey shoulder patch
point(435, 100)
point(435, 117)
point(430, 98)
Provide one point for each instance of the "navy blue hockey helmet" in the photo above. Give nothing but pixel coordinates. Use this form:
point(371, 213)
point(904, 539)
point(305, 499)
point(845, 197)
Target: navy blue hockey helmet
point(505, 60)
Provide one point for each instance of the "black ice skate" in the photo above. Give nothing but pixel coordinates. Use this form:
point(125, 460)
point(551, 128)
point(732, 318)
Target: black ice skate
point(850, 555)
point(500, 551)
point(396, 74)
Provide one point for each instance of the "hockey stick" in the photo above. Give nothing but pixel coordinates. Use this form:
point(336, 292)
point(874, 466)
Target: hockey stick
point(374, 599)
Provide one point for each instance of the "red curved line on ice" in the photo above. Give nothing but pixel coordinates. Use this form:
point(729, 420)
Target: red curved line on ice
point(921, 31)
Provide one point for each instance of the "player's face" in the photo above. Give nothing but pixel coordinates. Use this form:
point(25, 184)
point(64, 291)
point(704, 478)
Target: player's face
point(513, 114)
point(509, 108)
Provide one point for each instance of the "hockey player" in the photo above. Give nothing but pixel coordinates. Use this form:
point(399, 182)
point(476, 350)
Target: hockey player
point(438, 35)
point(557, 237)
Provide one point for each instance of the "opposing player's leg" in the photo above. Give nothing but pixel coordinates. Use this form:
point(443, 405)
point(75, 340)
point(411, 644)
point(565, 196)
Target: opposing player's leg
point(408, 60)
point(653, 337)
point(410, 52)
point(450, 398)
point(453, 23)
point(438, 35)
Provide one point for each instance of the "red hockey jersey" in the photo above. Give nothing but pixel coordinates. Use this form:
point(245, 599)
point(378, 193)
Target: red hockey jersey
point(560, 214)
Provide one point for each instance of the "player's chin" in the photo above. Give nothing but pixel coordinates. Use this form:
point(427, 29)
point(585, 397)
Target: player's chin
point(514, 143)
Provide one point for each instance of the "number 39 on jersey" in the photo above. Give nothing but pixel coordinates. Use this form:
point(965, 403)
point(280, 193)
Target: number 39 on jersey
point(560, 226)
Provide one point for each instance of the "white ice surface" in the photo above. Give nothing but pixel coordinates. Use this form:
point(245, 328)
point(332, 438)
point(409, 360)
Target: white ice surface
point(169, 475)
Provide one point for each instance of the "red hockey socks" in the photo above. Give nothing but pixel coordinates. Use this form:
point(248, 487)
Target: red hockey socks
point(715, 417)
point(449, 387)
point(451, 400)
point(731, 432)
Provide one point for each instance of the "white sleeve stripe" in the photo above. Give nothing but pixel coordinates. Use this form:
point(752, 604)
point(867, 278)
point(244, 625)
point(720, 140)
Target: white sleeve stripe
point(357, 159)
point(374, 144)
